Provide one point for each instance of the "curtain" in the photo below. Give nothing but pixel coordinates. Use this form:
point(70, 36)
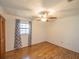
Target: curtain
point(17, 43)
point(30, 34)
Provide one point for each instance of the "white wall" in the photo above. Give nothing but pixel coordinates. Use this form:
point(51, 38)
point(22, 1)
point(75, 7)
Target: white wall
point(38, 31)
point(1, 10)
point(65, 32)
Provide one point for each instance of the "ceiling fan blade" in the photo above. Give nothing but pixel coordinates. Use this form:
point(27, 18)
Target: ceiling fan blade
point(51, 20)
point(36, 18)
point(52, 17)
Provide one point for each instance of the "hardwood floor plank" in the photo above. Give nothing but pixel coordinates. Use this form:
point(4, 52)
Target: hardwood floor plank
point(44, 50)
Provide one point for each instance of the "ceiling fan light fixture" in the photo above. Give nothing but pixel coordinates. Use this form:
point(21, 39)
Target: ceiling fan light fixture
point(44, 19)
point(43, 16)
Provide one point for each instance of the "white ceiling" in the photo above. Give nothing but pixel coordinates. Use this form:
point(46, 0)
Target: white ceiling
point(32, 7)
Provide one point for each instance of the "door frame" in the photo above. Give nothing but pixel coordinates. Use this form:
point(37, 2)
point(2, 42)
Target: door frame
point(2, 37)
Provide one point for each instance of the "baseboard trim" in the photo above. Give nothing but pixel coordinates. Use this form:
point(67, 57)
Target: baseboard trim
point(40, 43)
point(63, 47)
point(25, 47)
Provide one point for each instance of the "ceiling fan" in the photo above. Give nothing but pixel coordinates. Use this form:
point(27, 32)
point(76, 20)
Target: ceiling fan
point(44, 16)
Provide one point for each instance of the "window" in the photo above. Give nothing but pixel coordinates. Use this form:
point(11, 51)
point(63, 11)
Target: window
point(24, 28)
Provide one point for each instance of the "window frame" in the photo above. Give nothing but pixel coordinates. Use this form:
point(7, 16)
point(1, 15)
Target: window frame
point(26, 30)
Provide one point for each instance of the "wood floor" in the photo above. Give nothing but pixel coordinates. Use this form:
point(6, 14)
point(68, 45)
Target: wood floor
point(44, 50)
